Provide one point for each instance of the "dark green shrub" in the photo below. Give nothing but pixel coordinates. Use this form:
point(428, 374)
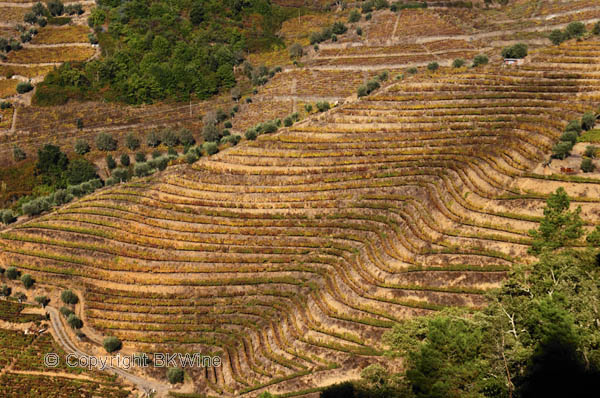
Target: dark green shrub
point(562, 149)
point(24, 87)
point(557, 36)
point(575, 126)
point(596, 29)
point(81, 147)
point(18, 154)
point(74, 321)
point(569, 136)
point(412, 70)
point(354, 16)
point(433, 66)
point(175, 375)
point(590, 151)
point(132, 142)
point(65, 311)
point(142, 169)
point(68, 297)
point(287, 122)
point(296, 51)
point(575, 29)
point(210, 148)
point(27, 280)
point(7, 217)
point(106, 142)
point(110, 162)
point(112, 344)
point(480, 59)
point(5, 291)
point(125, 160)
point(169, 138)
point(251, 134)
point(517, 51)
point(153, 139)
point(42, 300)
point(587, 166)
point(140, 157)
point(588, 120)
point(323, 106)
point(458, 63)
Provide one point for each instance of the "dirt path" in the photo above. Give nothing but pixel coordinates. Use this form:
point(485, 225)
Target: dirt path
point(70, 347)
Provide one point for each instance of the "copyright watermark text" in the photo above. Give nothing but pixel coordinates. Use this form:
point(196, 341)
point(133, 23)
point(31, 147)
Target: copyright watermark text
point(159, 360)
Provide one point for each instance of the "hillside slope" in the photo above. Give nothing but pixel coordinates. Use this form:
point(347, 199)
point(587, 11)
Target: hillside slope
point(292, 254)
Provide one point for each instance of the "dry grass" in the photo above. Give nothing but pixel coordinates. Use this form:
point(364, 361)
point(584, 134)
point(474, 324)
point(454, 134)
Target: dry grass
point(23, 70)
point(62, 34)
point(6, 119)
point(8, 87)
point(50, 54)
point(12, 14)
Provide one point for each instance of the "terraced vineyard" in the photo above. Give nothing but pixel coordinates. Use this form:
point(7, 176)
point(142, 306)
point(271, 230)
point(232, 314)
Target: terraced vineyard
point(292, 254)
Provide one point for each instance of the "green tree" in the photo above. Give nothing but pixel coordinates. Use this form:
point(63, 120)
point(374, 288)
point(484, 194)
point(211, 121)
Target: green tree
point(18, 154)
point(458, 63)
point(106, 142)
point(110, 162)
point(587, 166)
point(80, 170)
point(68, 297)
point(559, 227)
point(51, 165)
point(42, 300)
point(74, 321)
point(132, 142)
point(125, 161)
point(175, 375)
point(557, 36)
point(27, 280)
point(81, 147)
point(562, 149)
point(575, 29)
point(112, 344)
point(588, 120)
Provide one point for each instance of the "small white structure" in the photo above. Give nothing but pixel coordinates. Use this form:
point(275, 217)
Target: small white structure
point(513, 61)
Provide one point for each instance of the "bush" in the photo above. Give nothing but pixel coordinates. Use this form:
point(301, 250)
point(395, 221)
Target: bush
point(7, 217)
point(590, 151)
point(412, 70)
point(18, 154)
point(458, 63)
point(227, 125)
point(24, 87)
point(588, 120)
point(68, 297)
point(112, 344)
point(296, 51)
point(169, 138)
point(557, 36)
point(153, 139)
point(81, 147)
point(383, 76)
point(35, 206)
point(175, 375)
point(339, 28)
point(132, 142)
point(562, 149)
point(120, 174)
point(596, 29)
point(517, 51)
point(433, 66)
point(110, 162)
point(308, 108)
point(575, 126)
point(125, 160)
point(191, 157)
point(480, 59)
point(362, 91)
point(12, 273)
point(74, 321)
point(42, 300)
point(65, 311)
point(587, 166)
point(5, 291)
point(27, 280)
point(323, 106)
point(142, 169)
point(569, 136)
point(287, 122)
point(251, 134)
point(269, 127)
point(156, 154)
point(210, 148)
point(56, 7)
point(575, 29)
point(186, 137)
point(140, 157)
point(106, 142)
point(359, 31)
point(211, 133)
point(354, 16)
